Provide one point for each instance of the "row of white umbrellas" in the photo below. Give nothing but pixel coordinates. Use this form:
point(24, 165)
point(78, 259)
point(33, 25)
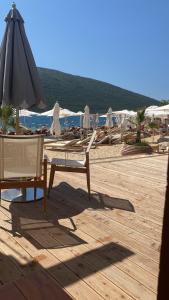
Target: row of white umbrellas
point(158, 111)
point(122, 116)
point(58, 112)
point(66, 113)
point(63, 113)
point(56, 129)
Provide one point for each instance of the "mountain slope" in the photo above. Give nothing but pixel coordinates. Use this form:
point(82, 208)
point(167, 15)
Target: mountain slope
point(74, 92)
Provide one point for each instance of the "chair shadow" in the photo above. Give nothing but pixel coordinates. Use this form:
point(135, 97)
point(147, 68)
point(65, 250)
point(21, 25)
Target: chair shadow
point(65, 202)
point(98, 201)
point(107, 202)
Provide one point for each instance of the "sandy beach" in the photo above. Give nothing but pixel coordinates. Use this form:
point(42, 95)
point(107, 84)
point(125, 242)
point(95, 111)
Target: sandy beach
point(100, 153)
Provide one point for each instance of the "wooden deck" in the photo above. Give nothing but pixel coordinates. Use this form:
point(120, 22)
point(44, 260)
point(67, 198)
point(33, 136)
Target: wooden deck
point(104, 249)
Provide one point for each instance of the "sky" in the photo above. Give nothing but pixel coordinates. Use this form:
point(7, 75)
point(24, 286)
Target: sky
point(123, 42)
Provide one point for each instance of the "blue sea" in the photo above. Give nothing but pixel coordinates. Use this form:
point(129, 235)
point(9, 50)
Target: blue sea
point(35, 122)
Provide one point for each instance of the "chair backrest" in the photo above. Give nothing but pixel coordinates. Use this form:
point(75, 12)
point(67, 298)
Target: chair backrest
point(86, 161)
point(91, 141)
point(21, 156)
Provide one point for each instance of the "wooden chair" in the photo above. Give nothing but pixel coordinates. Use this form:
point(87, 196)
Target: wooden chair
point(77, 166)
point(21, 163)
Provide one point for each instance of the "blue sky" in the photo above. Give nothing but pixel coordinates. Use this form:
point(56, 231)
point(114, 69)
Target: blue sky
point(123, 42)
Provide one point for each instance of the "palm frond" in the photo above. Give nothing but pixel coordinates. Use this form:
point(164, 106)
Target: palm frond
point(140, 118)
point(6, 116)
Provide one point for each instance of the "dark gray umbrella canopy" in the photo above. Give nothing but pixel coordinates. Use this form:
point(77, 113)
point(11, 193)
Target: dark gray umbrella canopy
point(19, 80)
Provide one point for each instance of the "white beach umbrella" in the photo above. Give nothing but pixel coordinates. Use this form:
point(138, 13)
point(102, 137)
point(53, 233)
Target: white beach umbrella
point(97, 119)
point(163, 108)
point(109, 121)
point(66, 113)
point(152, 107)
point(159, 111)
point(62, 113)
point(150, 111)
point(48, 113)
point(79, 113)
point(125, 112)
point(162, 111)
point(124, 123)
point(27, 113)
point(86, 118)
point(81, 121)
point(55, 127)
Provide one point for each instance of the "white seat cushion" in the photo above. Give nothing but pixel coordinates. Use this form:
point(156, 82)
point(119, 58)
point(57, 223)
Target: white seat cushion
point(68, 162)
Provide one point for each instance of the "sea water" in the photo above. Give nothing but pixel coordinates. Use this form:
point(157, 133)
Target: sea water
point(35, 122)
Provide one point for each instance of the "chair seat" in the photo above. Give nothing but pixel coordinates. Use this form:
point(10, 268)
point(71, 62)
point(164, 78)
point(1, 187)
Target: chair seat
point(68, 162)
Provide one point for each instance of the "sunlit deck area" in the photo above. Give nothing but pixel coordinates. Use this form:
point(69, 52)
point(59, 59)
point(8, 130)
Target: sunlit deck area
point(106, 248)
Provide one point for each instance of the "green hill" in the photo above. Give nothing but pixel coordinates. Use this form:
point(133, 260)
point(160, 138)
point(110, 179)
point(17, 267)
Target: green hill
point(74, 92)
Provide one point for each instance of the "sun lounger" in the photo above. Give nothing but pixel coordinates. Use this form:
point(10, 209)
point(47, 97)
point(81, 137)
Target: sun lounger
point(60, 144)
point(82, 142)
point(164, 146)
point(104, 140)
point(73, 145)
point(116, 138)
point(109, 139)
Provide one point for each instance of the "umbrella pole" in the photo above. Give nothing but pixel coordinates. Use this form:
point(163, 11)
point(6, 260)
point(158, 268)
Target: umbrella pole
point(17, 121)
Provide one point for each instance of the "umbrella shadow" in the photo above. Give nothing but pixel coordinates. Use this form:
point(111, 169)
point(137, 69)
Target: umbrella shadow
point(53, 279)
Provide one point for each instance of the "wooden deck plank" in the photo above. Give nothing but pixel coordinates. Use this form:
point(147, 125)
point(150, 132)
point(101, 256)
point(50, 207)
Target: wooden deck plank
point(109, 237)
point(45, 241)
point(142, 205)
point(10, 292)
point(142, 226)
point(40, 286)
point(67, 242)
point(109, 254)
point(90, 233)
point(84, 265)
point(86, 271)
point(65, 277)
point(69, 224)
point(125, 264)
point(125, 188)
point(121, 232)
point(126, 184)
point(8, 269)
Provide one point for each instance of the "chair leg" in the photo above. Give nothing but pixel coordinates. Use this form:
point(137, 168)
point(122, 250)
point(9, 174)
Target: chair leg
point(52, 173)
point(45, 198)
point(0, 197)
point(35, 196)
point(88, 182)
